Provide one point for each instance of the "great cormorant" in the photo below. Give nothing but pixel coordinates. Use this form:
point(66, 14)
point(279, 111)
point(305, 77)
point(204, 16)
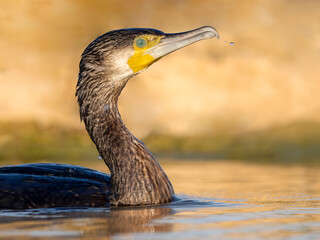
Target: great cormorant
point(136, 177)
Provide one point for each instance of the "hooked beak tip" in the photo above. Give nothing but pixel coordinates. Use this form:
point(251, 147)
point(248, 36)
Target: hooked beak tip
point(208, 32)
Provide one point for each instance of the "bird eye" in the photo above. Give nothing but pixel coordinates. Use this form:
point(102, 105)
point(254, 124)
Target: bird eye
point(140, 42)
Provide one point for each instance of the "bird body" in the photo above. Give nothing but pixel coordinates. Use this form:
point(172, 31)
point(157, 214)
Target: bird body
point(45, 185)
point(136, 177)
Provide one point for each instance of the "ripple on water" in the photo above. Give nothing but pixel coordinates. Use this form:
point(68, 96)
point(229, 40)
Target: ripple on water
point(250, 201)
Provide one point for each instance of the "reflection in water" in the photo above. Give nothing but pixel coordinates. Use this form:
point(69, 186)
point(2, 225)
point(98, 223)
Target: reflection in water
point(137, 220)
point(238, 201)
point(84, 222)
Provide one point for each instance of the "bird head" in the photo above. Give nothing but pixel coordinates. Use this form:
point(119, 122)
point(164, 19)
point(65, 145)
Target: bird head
point(127, 52)
point(114, 57)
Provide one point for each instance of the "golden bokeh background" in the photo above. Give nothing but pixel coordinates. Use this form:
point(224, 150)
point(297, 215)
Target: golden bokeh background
point(269, 79)
point(258, 101)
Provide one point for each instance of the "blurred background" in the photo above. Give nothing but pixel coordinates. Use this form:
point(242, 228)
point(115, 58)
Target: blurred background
point(257, 100)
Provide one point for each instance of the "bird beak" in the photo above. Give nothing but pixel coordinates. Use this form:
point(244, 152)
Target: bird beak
point(168, 43)
point(174, 41)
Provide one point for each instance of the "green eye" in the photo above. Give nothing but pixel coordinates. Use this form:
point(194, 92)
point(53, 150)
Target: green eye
point(140, 42)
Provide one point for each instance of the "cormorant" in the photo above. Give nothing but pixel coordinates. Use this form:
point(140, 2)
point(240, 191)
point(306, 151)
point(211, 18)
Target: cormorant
point(136, 177)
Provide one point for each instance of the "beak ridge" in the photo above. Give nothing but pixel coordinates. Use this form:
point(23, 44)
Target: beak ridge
point(174, 41)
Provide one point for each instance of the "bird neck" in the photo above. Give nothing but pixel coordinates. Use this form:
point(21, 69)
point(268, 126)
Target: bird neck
point(136, 176)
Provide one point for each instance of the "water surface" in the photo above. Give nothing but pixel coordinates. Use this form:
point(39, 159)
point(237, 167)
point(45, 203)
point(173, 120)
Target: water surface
point(217, 200)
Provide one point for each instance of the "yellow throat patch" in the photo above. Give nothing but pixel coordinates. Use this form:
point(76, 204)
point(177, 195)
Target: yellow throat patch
point(141, 59)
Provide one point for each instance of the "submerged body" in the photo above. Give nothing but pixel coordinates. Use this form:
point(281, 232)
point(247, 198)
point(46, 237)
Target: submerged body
point(136, 177)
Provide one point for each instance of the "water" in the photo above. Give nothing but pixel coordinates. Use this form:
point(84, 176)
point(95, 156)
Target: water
point(230, 43)
point(218, 200)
